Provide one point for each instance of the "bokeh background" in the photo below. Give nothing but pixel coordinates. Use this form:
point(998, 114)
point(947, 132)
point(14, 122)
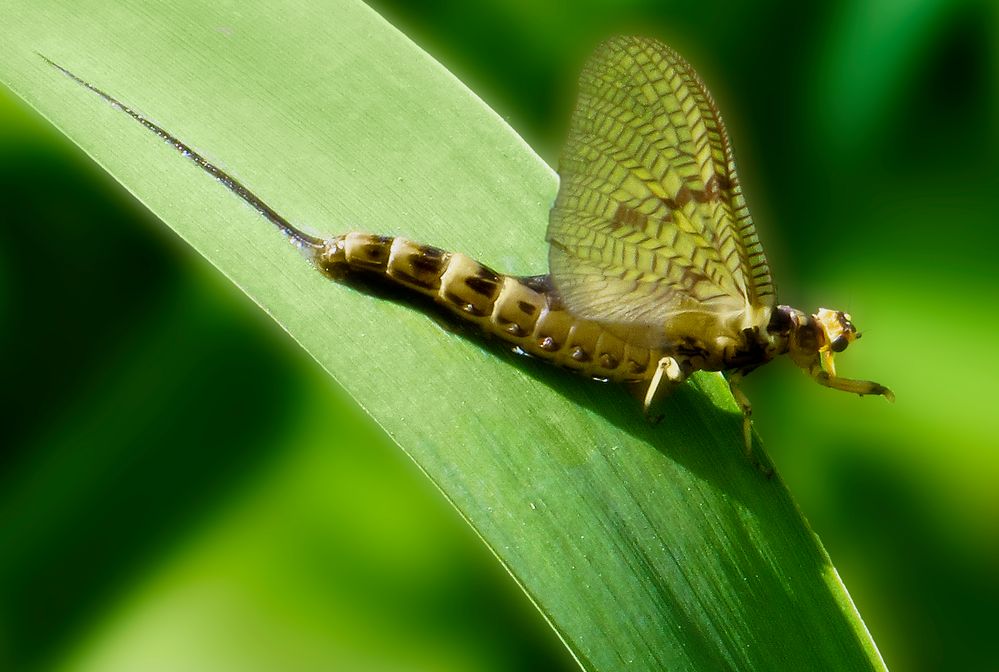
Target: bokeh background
point(167, 501)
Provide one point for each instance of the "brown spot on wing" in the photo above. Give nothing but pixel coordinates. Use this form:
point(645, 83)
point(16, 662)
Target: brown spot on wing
point(628, 216)
point(712, 191)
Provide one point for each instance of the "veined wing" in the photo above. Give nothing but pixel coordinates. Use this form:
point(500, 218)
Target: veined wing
point(650, 225)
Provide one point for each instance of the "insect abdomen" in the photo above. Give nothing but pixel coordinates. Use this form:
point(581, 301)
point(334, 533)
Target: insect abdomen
point(502, 305)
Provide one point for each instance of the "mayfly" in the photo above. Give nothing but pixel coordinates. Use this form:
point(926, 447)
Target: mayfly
point(656, 268)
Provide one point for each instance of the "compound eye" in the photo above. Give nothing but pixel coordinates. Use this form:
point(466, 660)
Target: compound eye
point(839, 344)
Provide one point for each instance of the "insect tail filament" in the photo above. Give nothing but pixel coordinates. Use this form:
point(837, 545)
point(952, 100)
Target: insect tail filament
point(297, 236)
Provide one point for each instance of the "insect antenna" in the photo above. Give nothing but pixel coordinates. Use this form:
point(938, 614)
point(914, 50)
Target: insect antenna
point(297, 236)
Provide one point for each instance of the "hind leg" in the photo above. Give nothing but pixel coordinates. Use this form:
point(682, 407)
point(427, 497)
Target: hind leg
point(668, 375)
point(747, 422)
point(747, 411)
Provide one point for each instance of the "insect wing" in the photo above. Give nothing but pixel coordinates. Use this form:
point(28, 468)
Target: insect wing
point(650, 225)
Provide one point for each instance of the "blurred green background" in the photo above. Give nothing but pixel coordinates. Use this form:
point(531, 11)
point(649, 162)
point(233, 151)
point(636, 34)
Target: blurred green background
point(168, 502)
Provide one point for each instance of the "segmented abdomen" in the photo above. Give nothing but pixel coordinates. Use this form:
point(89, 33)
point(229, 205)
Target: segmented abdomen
point(529, 317)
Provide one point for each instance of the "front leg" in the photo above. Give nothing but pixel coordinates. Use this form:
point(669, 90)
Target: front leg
point(860, 387)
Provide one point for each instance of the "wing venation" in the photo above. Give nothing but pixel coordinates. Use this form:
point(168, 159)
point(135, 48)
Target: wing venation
point(650, 222)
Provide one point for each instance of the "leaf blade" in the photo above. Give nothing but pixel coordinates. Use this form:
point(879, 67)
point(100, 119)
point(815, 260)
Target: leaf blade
point(632, 540)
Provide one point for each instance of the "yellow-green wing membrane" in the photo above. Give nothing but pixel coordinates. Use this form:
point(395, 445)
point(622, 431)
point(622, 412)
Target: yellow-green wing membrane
point(650, 227)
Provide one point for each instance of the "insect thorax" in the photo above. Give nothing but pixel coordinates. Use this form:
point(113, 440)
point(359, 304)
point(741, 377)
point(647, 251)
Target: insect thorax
point(734, 339)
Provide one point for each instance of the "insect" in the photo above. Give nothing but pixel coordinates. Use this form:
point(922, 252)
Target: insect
point(656, 270)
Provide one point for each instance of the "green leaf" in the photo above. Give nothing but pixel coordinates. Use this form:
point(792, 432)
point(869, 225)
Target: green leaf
point(647, 547)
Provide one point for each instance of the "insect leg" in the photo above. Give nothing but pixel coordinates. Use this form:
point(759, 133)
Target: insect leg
point(860, 387)
point(747, 410)
point(747, 424)
point(668, 374)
